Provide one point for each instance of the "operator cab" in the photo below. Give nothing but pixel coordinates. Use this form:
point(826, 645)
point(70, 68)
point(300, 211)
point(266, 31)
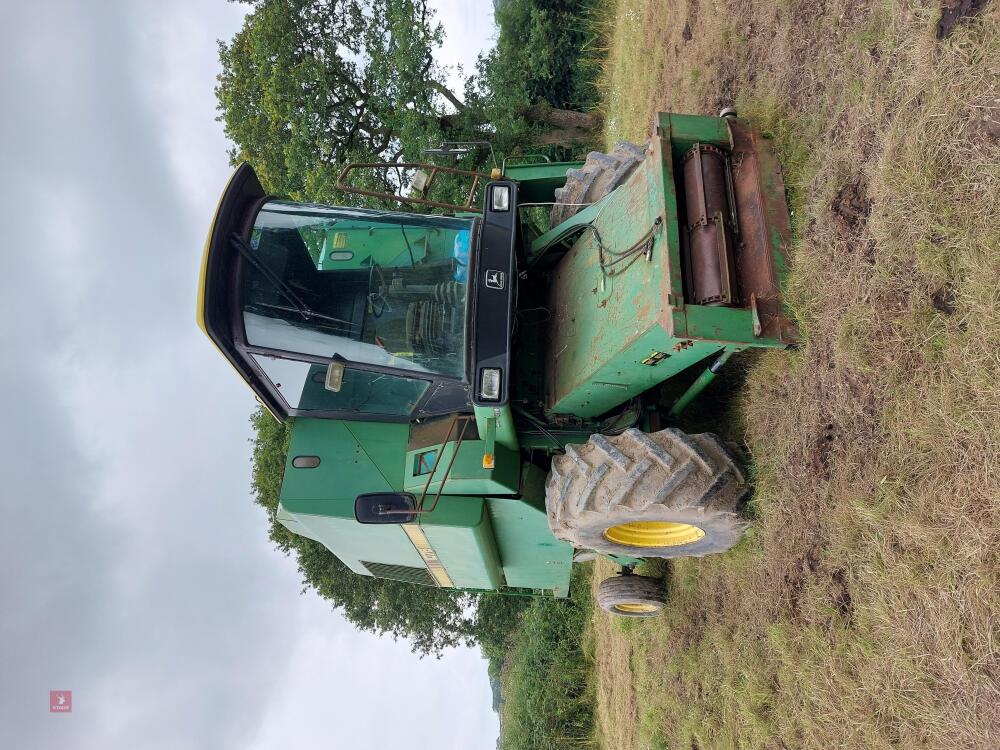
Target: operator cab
point(291, 292)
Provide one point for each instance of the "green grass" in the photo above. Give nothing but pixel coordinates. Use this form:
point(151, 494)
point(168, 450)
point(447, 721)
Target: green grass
point(862, 610)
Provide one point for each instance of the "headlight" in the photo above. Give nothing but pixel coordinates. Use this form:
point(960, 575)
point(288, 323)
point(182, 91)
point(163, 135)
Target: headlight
point(489, 384)
point(501, 197)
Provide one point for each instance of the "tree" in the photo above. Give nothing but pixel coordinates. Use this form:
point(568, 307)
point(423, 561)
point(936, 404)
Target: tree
point(309, 85)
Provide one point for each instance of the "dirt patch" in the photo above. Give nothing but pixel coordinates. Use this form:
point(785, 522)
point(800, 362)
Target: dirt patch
point(954, 12)
point(841, 594)
point(820, 457)
point(943, 300)
point(852, 206)
point(986, 129)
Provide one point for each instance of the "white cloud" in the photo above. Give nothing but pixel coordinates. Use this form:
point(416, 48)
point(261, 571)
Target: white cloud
point(359, 691)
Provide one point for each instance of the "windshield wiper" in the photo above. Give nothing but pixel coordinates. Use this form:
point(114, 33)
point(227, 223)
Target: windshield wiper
point(284, 290)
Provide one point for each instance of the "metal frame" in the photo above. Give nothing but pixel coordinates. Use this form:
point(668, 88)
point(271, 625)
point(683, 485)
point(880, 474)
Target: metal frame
point(242, 349)
point(469, 204)
point(420, 510)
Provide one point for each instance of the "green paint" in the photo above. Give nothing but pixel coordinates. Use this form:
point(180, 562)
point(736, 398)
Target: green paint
point(359, 457)
point(506, 434)
point(530, 555)
point(491, 438)
point(355, 457)
point(461, 533)
point(467, 475)
point(537, 182)
point(575, 222)
point(686, 130)
point(611, 328)
point(700, 384)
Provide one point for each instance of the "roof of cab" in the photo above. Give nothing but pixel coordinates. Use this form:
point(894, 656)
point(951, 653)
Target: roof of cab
point(235, 213)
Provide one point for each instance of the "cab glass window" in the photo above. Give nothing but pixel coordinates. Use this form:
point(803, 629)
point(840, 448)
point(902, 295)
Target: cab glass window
point(302, 385)
point(381, 288)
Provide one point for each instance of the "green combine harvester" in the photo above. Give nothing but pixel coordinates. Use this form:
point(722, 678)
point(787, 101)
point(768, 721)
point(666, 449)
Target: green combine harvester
point(476, 398)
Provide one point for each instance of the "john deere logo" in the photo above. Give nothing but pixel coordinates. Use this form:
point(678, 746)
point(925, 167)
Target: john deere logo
point(494, 279)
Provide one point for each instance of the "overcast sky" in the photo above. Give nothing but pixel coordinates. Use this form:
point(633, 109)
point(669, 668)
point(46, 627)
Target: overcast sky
point(136, 571)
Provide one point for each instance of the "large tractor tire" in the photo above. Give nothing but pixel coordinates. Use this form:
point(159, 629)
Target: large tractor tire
point(632, 596)
point(660, 494)
point(601, 174)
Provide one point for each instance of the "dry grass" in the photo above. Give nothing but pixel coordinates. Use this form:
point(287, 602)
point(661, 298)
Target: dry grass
point(864, 610)
point(617, 710)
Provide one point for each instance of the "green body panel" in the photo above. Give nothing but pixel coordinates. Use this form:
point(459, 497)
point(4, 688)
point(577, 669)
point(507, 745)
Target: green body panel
point(504, 432)
point(617, 333)
point(466, 536)
point(355, 457)
point(531, 557)
point(579, 219)
point(537, 183)
point(358, 244)
point(462, 535)
point(467, 475)
point(683, 131)
point(387, 544)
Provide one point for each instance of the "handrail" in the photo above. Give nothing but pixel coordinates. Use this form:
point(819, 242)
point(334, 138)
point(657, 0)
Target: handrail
point(469, 204)
point(420, 510)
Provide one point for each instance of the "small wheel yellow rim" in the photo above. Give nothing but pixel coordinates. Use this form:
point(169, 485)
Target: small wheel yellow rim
point(636, 607)
point(653, 534)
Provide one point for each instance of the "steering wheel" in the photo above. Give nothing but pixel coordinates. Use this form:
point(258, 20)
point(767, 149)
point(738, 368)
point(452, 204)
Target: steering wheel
point(378, 303)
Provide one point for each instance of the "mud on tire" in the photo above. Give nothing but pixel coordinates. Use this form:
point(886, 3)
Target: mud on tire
point(601, 174)
point(666, 476)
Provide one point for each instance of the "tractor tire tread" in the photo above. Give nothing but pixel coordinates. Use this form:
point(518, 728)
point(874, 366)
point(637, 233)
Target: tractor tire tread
point(600, 174)
point(637, 476)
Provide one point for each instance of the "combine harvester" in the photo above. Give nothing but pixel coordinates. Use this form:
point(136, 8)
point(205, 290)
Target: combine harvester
point(476, 399)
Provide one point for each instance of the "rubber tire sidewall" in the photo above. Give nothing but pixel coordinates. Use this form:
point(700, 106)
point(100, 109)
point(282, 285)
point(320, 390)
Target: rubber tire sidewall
point(631, 589)
point(723, 530)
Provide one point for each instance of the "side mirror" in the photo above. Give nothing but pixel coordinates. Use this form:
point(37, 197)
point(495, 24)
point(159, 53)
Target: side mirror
point(385, 507)
point(334, 377)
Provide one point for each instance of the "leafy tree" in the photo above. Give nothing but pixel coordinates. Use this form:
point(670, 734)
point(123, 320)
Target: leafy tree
point(308, 85)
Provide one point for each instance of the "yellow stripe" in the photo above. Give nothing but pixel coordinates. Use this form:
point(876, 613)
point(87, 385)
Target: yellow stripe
point(430, 558)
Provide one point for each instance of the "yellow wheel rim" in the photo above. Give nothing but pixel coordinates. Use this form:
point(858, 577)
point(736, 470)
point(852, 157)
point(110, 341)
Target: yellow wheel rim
point(653, 534)
point(635, 607)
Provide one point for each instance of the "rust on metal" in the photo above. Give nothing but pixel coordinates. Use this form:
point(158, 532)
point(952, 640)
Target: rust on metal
point(764, 228)
point(710, 246)
point(432, 171)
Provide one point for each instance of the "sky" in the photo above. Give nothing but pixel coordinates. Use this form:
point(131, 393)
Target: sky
point(136, 570)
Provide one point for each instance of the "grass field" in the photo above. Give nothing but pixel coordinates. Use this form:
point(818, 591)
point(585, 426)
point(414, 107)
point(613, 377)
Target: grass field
point(864, 609)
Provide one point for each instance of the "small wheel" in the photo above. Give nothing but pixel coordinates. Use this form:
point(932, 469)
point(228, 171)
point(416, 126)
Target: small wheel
point(728, 112)
point(632, 596)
